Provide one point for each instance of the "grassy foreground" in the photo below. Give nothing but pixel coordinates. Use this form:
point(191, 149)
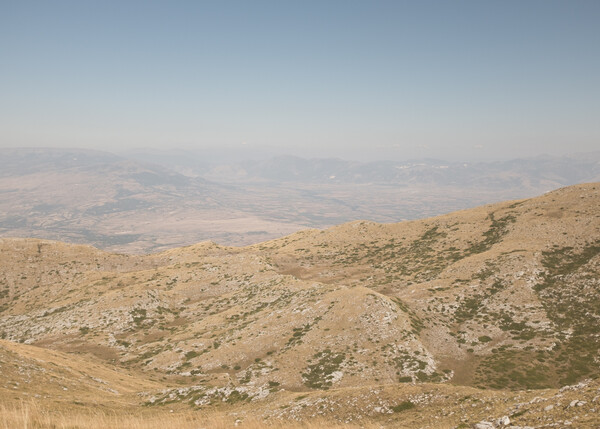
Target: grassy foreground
point(30, 415)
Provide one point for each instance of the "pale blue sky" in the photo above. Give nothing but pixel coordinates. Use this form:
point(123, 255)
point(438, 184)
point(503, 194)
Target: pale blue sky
point(355, 79)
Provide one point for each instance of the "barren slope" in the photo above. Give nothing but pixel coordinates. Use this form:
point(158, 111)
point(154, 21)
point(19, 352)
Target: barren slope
point(501, 287)
point(502, 296)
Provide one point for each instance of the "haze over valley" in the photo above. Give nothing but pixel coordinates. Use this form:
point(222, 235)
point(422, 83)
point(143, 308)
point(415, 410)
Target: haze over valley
point(135, 205)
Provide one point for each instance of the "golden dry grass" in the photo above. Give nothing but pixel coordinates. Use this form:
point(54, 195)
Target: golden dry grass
point(30, 415)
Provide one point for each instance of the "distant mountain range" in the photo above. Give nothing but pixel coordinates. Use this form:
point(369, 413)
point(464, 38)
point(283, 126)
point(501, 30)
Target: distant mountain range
point(540, 171)
point(151, 201)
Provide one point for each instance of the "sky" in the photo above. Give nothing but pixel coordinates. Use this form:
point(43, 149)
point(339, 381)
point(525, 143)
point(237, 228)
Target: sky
point(353, 79)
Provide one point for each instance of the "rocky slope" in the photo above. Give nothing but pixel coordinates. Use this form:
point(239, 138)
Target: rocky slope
point(481, 303)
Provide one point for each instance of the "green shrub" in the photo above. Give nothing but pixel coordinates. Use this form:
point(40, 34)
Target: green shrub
point(403, 406)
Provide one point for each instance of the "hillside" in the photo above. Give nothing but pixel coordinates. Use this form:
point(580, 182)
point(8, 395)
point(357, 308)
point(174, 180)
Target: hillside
point(481, 304)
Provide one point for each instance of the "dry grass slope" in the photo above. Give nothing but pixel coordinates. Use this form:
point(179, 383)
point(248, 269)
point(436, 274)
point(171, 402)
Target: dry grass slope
point(353, 323)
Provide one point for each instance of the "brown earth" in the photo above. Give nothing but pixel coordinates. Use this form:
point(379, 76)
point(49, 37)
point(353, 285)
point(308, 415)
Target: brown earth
point(441, 322)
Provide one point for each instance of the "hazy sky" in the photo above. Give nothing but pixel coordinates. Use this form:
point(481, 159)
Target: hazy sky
point(372, 79)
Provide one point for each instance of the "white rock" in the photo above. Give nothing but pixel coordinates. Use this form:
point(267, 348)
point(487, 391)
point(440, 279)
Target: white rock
point(483, 425)
point(549, 408)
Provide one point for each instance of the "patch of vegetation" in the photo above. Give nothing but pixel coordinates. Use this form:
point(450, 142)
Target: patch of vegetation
point(191, 354)
point(513, 369)
point(237, 396)
point(273, 386)
point(247, 377)
point(403, 406)
point(569, 294)
point(468, 308)
point(497, 230)
point(144, 356)
point(138, 315)
point(560, 262)
point(320, 375)
point(298, 333)
point(415, 321)
point(407, 362)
